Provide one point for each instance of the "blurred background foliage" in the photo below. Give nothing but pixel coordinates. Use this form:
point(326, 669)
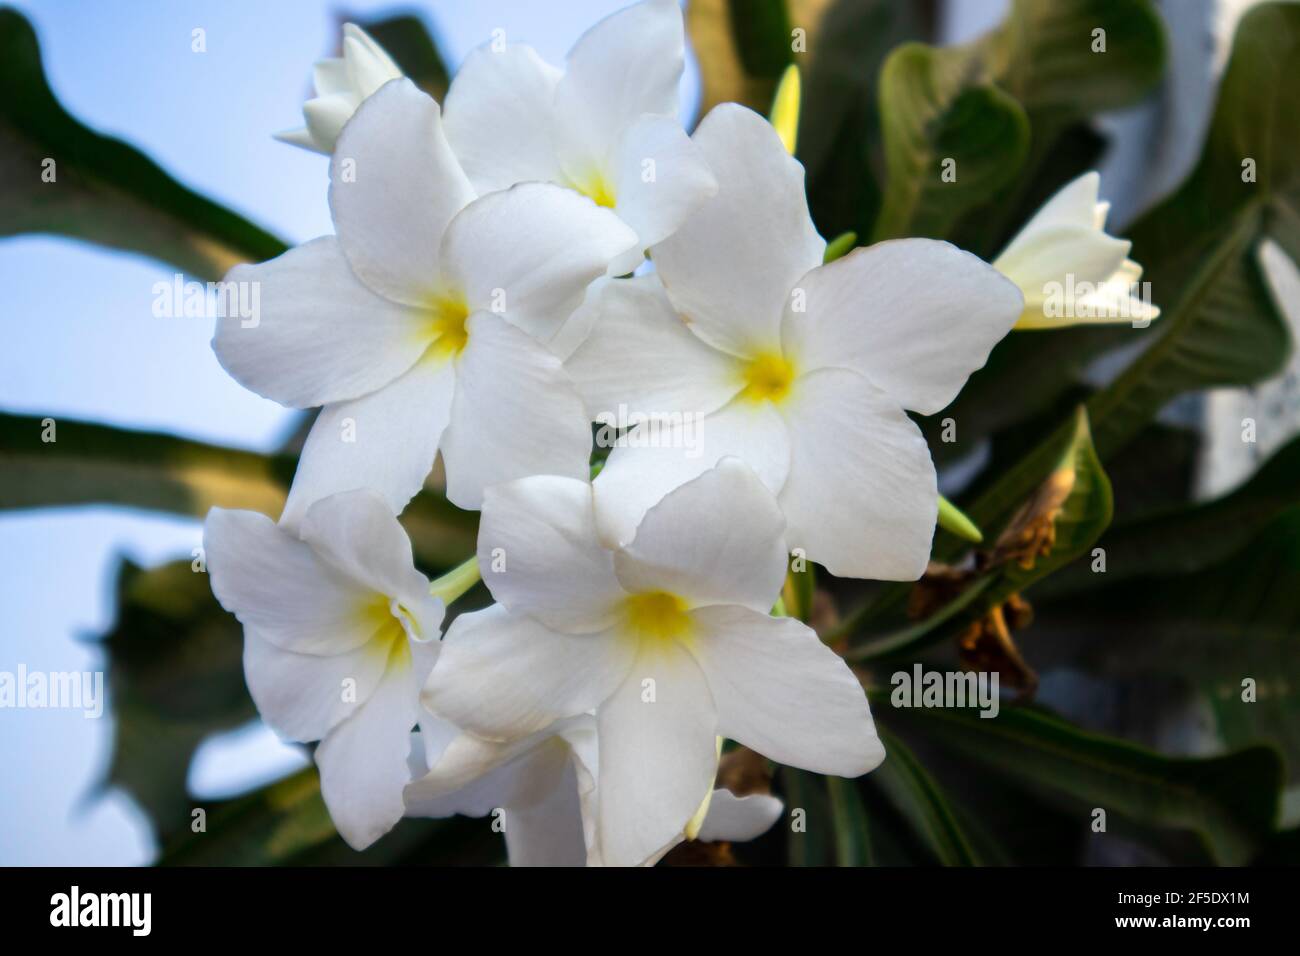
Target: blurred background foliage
point(1195, 597)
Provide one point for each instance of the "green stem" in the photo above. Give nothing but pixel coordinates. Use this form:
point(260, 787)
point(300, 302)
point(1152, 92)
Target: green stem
point(456, 582)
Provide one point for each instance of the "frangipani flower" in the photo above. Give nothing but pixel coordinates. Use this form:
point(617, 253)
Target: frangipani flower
point(342, 83)
point(545, 785)
point(667, 640)
point(606, 125)
point(340, 632)
point(746, 342)
point(1069, 269)
point(419, 327)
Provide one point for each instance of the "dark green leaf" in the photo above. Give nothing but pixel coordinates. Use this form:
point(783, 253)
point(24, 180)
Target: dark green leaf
point(104, 190)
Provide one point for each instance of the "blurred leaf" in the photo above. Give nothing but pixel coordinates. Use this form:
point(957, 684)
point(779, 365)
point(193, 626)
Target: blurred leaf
point(839, 124)
point(743, 47)
point(917, 797)
point(1200, 246)
point(99, 464)
point(1184, 539)
point(105, 191)
point(1229, 802)
point(852, 837)
point(806, 791)
point(1220, 325)
point(999, 103)
point(408, 41)
point(1211, 629)
point(950, 141)
point(175, 676)
point(287, 823)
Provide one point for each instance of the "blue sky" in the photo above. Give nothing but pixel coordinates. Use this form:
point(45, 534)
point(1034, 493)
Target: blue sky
point(80, 341)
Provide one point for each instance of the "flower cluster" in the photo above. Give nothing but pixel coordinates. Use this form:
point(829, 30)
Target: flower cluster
point(546, 249)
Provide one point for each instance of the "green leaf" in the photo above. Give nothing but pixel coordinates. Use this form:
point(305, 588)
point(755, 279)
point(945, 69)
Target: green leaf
point(1183, 539)
point(104, 190)
point(175, 675)
point(949, 142)
point(1066, 516)
point(852, 834)
point(839, 124)
point(98, 464)
point(997, 105)
point(806, 791)
point(1208, 631)
point(1230, 803)
point(918, 798)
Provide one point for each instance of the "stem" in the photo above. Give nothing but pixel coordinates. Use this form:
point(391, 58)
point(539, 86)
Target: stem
point(456, 581)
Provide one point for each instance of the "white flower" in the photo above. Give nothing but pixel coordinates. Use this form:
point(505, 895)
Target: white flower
point(800, 369)
point(1064, 253)
point(420, 327)
point(667, 640)
point(342, 83)
point(340, 632)
point(605, 126)
point(544, 786)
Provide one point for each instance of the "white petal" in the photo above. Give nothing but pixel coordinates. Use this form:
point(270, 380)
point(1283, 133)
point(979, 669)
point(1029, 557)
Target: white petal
point(357, 533)
point(658, 755)
point(278, 587)
point(915, 316)
point(715, 540)
point(628, 64)
point(501, 675)
point(385, 441)
point(368, 64)
point(533, 781)
point(363, 761)
point(302, 696)
point(640, 355)
point(498, 115)
point(1047, 257)
point(394, 187)
point(731, 265)
point(782, 692)
point(661, 177)
point(651, 461)
point(314, 334)
point(515, 413)
point(549, 830)
point(541, 534)
point(529, 252)
point(861, 497)
point(1074, 204)
point(327, 115)
point(737, 819)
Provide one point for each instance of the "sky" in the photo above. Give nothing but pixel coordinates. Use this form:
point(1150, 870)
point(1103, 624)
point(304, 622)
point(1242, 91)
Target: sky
point(80, 341)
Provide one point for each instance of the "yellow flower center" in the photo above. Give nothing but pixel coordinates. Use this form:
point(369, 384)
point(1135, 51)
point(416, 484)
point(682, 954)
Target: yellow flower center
point(595, 186)
point(657, 616)
point(387, 633)
point(767, 377)
point(446, 327)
